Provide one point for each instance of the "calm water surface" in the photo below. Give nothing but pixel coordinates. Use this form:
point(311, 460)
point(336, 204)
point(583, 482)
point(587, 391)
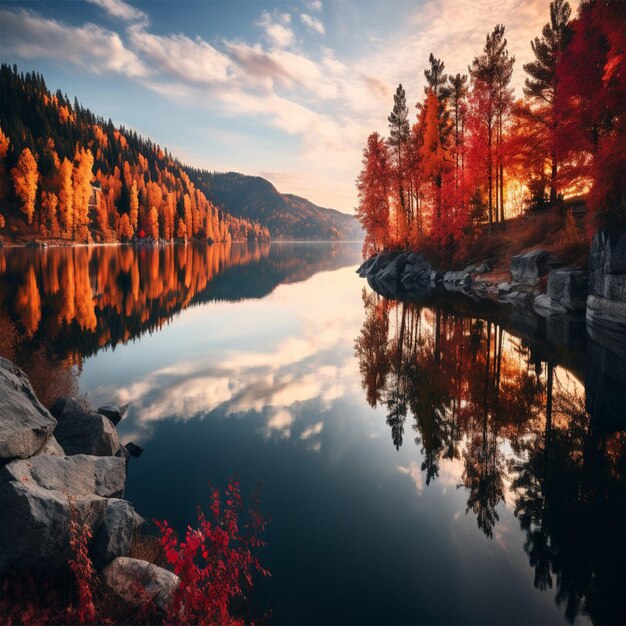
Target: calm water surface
point(425, 462)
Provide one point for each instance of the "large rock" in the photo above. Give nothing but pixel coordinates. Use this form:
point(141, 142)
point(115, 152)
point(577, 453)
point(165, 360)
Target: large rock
point(77, 475)
point(416, 271)
point(606, 303)
point(114, 412)
point(530, 266)
point(458, 280)
point(35, 511)
point(115, 535)
point(546, 306)
point(35, 526)
point(122, 575)
point(568, 288)
point(392, 271)
point(83, 432)
point(25, 424)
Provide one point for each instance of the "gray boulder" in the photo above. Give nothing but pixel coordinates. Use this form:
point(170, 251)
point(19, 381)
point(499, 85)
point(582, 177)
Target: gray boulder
point(83, 432)
point(568, 287)
point(50, 448)
point(375, 264)
point(607, 316)
point(25, 424)
point(35, 526)
point(392, 271)
point(519, 295)
point(546, 306)
point(78, 475)
point(115, 535)
point(530, 266)
point(123, 573)
point(113, 412)
point(458, 280)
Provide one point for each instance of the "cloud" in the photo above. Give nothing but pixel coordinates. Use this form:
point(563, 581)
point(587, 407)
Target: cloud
point(315, 5)
point(312, 23)
point(277, 29)
point(121, 10)
point(311, 431)
point(28, 35)
point(191, 60)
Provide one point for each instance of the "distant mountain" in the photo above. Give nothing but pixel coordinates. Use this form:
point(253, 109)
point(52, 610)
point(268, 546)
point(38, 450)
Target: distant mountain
point(285, 215)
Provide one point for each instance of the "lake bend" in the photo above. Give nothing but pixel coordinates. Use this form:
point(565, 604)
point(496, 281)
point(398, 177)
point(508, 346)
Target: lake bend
point(425, 462)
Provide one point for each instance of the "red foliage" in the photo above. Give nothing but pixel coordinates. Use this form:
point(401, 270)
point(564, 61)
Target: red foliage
point(214, 562)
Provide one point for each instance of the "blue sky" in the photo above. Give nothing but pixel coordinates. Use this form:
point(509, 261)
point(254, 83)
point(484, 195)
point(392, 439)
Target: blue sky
point(285, 90)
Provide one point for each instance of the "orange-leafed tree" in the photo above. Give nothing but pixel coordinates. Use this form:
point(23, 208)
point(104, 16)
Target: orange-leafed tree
point(373, 186)
point(81, 178)
point(25, 180)
point(4, 148)
point(49, 220)
point(181, 230)
point(153, 223)
point(134, 206)
point(66, 198)
point(126, 231)
point(432, 159)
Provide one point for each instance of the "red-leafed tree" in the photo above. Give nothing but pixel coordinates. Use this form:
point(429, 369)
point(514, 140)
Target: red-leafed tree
point(592, 92)
point(373, 184)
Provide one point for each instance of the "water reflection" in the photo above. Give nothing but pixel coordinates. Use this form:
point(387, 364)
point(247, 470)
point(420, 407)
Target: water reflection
point(61, 305)
point(516, 419)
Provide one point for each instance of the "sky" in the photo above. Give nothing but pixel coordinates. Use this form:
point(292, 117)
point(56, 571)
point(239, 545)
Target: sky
point(284, 90)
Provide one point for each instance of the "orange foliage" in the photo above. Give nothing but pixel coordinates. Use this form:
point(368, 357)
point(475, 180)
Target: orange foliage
point(25, 179)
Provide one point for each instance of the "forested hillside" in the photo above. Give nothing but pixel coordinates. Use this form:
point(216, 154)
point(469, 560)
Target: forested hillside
point(285, 215)
point(67, 174)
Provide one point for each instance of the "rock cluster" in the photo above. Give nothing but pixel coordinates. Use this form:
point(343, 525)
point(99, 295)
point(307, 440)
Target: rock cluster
point(606, 303)
point(62, 465)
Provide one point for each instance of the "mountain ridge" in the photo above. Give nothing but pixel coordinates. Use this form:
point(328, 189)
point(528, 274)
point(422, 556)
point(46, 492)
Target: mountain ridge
point(287, 216)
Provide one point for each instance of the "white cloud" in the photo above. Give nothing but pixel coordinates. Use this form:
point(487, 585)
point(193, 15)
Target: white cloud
point(121, 10)
point(313, 430)
point(312, 23)
point(277, 29)
point(315, 5)
point(31, 36)
point(191, 60)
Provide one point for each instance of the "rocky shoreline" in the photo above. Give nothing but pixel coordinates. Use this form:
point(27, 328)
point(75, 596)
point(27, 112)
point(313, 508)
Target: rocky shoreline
point(63, 464)
point(538, 283)
point(578, 314)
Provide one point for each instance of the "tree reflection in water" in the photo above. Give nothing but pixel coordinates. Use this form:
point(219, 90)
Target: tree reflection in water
point(517, 420)
point(62, 304)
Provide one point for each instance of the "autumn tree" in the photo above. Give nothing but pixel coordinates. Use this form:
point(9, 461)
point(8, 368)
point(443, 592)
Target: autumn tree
point(66, 197)
point(592, 90)
point(541, 85)
point(373, 186)
point(134, 206)
point(125, 229)
point(399, 130)
point(25, 179)
point(491, 74)
point(81, 179)
point(153, 224)
point(458, 105)
point(4, 148)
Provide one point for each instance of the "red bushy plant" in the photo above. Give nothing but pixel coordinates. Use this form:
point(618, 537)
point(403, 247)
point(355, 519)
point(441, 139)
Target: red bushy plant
point(215, 562)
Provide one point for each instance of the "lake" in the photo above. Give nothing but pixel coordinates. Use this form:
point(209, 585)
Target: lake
point(427, 462)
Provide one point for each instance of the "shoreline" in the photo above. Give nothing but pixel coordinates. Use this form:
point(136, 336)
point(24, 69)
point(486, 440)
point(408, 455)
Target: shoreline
point(537, 284)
